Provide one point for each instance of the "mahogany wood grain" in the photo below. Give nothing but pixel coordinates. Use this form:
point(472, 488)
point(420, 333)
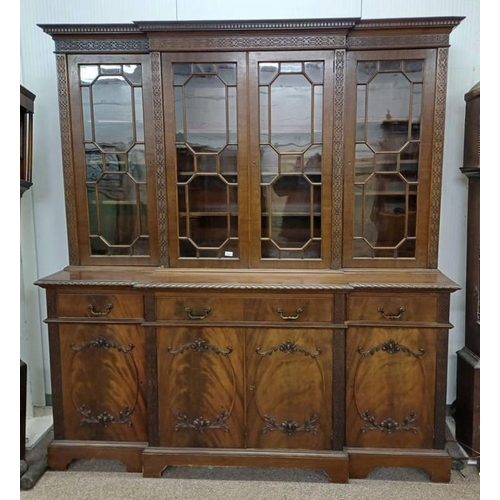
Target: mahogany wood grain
point(61, 453)
point(289, 389)
point(436, 463)
point(97, 305)
point(417, 307)
point(201, 381)
point(391, 377)
point(104, 384)
point(335, 464)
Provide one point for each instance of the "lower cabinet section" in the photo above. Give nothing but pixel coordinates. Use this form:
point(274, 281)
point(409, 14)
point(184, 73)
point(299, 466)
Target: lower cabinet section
point(341, 397)
point(200, 387)
point(289, 389)
point(391, 380)
point(104, 382)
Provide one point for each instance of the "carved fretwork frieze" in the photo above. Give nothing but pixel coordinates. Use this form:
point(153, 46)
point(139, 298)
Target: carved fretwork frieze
point(290, 426)
point(397, 41)
point(248, 42)
point(103, 343)
point(67, 157)
point(103, 45)
point(105, 419)
point(391, 347)
point(200, 345)
point(159, 155)
point(389, 424)
point(437, 154)
point(288, 347)
point(201, 424)
point(338, 158)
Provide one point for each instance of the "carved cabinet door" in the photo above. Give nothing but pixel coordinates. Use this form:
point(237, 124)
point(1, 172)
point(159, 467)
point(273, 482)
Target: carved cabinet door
point(200, 387)
point(289, 388)
point(103, 382)
point(391, 387)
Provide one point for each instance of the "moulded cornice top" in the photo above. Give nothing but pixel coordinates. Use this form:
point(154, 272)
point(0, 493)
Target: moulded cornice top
point(139, 27)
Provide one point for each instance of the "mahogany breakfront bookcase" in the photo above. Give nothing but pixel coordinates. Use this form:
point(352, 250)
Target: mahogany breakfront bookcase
point(253, 221)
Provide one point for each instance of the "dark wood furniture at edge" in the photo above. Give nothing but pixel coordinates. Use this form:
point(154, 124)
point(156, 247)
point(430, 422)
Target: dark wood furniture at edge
point(253, 228)
point(467, 415)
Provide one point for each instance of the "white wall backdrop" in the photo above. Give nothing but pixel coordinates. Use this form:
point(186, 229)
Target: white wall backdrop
point(38, 74)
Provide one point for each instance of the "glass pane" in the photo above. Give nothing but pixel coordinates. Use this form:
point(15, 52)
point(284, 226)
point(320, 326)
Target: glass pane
point(409, 161)
point(312, 163)
point(208, 194)
point(290, 112)
point(388, 111)
point(205, 113)
point(365, 160)
point(88, 73)
point(206, 163)
point(232, 115)
point(139, 115)
point(290, 164)
point(93, 219)
point(179, 114)
point(264, 114)
point(390, 66)
point(267, 71)
point(185, 162)
point(110, 69)
point(87, 115)
point(137, 163)
point(93, 161)
point(318, 114)
point(291, 194)
point(117, 205)
point(115, 163)
point(208, 231)
point(294, 67)
point(414, 70)
point(416, 111)
point(143, 206)
point(133, 73)
point(360, 117)
point(366, 70)
point(228, 164)
point(268, 163)
point(314, 70)
point(181, 73)
point(112, 102)
point(227, 73)
point(386, 162)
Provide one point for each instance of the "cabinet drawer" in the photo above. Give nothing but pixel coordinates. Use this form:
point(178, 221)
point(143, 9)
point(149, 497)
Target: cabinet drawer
point(288, 310)
point(392, 307)
point(99, 305)
point(196, 308)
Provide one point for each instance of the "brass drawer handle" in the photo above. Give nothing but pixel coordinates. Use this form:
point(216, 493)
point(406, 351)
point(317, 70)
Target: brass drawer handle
point(95, 313)
point(195, 316)
point(289, 318)
point(391, 316)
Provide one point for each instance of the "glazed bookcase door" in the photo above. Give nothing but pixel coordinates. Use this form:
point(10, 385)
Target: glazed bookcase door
point(291, 154)
point(114, 184)
point(205, 128)
point(391, 380)
point(200, 372)
point(289, 389)
point(388, 175)
point(103, 382)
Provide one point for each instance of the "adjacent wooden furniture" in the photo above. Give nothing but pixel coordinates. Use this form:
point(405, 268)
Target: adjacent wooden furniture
point(467, 414)
point(253, 221)
point(27, 110)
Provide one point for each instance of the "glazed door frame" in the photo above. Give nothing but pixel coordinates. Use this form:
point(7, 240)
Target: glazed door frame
point(79, 160)
point(168, 59)
point(254, 58)
point(426, 176)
